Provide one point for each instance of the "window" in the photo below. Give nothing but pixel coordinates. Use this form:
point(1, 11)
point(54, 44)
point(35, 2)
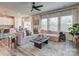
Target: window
point(53, 24)
point(27, 24)
point(44, 24)
point(65, 23)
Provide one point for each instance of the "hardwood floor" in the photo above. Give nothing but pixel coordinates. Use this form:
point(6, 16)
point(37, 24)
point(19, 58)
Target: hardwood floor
point(67, 48)
point(6, 51)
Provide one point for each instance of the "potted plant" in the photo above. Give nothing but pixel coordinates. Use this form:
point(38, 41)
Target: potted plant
point(74, 30)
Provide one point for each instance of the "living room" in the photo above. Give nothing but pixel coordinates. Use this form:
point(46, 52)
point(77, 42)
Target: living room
point(44, 31)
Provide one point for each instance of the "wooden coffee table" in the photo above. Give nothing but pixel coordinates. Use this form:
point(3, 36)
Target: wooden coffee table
point(38, 42)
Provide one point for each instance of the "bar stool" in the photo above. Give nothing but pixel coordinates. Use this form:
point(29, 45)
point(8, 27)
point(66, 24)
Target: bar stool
point(12, 42)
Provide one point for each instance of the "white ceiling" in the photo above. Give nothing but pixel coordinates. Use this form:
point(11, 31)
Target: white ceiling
point(23, 8)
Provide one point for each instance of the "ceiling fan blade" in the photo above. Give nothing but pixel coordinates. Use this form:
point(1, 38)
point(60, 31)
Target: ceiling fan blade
point(37, 9)
point(39, 6)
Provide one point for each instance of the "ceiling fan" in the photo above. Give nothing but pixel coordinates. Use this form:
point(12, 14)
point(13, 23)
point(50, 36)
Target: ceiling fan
point(36, 7)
